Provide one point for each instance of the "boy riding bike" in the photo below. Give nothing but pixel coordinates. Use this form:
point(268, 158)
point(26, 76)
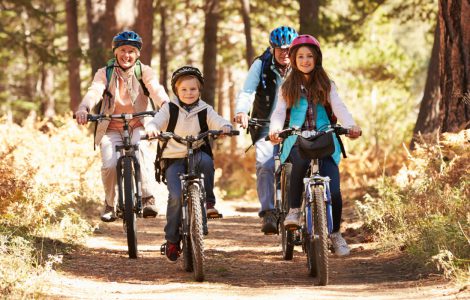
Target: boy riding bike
point(121, 93)
point(186, 83)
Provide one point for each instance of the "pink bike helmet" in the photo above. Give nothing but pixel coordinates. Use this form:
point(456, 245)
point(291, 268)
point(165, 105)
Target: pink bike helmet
point(305, 40)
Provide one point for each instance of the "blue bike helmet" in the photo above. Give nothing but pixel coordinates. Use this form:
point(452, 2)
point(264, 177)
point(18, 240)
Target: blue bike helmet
point(127, 38)
point(282, 37)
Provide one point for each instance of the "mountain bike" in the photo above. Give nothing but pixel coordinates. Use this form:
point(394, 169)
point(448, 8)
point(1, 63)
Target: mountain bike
point(317, 219)
point(281, 186)
point(129, 179)
point(193, 223)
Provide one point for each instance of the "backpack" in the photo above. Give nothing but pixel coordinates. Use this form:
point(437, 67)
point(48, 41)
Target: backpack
point(106, 93)
point(162, 164)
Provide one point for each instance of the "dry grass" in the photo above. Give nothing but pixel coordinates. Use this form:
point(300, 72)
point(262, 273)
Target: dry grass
point(425, 209)
point(49, 175)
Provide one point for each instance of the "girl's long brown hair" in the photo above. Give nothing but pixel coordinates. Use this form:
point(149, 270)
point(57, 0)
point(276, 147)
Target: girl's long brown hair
point(318, 84)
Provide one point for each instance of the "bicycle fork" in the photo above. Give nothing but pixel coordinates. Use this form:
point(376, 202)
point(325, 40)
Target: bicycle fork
point(185, 218)
point(310, 184)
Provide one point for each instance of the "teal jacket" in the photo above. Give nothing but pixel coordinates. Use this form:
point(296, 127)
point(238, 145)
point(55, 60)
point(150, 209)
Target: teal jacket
point(297, 118)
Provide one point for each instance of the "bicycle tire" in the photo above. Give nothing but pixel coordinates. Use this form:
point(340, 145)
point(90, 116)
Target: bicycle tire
point(129, 205)
point(287, 236)
point(187, 248)
point(196, 232)
point(318, 244)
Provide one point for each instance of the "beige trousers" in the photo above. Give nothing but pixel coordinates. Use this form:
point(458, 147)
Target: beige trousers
point(109, 157)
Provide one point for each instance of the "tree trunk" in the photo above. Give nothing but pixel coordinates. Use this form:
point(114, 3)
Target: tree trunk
point(47, 92)
point(163, 46)
point(231, 98)
point(428, 121)
point(220, 92)
point(74, 54)
point(245, 10)
point(308, 17)
point(209, 58)
point(188, 49)
point(454, 59)
point(144, 27)
point(101, 23)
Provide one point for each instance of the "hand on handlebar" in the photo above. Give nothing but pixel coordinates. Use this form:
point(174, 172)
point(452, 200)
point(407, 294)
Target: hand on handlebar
point(82, 117)
point(152, 133)
point(354, 132)
point(274, 137)
point(242, 119)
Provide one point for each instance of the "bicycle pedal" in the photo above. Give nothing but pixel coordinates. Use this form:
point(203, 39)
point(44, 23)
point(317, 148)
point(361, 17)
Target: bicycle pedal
point(163, 249)
point(215, 216)
point(292, 227)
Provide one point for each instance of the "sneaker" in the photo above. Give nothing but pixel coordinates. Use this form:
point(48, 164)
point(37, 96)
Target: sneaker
point(171, 250)
point(109, 215)
point(150, 209)
point(211, 211)
point(292, 220)
point(340, 246)
point(269, 223)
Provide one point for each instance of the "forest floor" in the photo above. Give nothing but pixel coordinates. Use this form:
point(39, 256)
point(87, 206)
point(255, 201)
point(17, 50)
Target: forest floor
point(241, 263)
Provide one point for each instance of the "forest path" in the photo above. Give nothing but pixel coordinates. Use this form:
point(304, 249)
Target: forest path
point(241, 263)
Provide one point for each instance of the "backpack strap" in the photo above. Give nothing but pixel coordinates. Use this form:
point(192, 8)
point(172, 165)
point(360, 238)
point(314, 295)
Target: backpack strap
point(202, 116)
point(138, 75)
point(265, 57)
point(160, 166)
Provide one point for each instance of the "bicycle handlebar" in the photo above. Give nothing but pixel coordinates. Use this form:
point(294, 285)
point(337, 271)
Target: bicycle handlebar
point(338, 129)
point(99, 117)
point(255, 122)
point(164, 136)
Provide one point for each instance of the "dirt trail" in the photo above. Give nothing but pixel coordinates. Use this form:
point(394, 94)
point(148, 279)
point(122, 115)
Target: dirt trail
point(241, 263)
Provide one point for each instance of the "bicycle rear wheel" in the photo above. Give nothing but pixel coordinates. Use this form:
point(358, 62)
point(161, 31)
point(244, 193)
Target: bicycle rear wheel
point(196, 232)
point(287, 236)
point(317, 245)
point(129, 211)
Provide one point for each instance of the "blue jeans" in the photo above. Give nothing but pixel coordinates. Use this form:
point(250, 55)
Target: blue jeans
point(265, 152)
point(329, 168)
point(204, 165)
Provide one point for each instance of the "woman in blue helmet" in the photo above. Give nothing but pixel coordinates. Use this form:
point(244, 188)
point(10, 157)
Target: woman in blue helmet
point(124, 94)
point(258, 98)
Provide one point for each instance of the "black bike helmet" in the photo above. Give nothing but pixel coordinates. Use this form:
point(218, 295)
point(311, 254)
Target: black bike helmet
point(185, 70)
point(127, 38)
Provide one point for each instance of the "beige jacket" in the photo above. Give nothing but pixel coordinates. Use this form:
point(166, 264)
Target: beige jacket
point(186, 124)
point(139, 103)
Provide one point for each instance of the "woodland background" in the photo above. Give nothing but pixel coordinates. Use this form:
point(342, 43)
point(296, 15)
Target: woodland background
point(402, 68)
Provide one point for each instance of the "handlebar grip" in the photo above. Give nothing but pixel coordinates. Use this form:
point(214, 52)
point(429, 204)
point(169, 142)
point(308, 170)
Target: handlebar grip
point(235, 132)
point(341, 130)
point(267, 138)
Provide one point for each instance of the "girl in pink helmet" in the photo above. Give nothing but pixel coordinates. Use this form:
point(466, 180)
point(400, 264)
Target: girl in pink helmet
point(308, 99)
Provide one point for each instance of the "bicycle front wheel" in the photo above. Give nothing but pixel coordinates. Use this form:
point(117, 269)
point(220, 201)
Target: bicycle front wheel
point(129, 211)
point(287, 236)
point(196, 231)
point(317, 246)
point(186, 240)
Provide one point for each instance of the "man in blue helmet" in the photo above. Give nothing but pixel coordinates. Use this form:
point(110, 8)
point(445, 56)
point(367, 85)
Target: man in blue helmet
point(123, 86)
point(257, 99)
